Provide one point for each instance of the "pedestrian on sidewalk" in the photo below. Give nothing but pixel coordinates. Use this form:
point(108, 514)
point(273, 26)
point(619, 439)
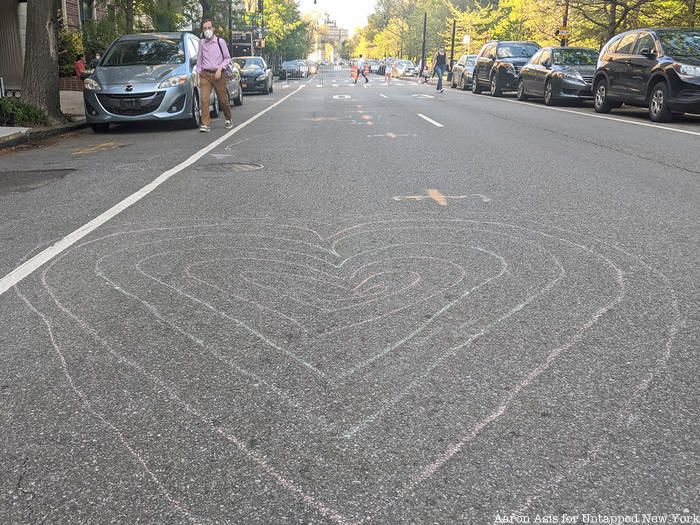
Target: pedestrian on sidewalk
point(80, 66)
point(213, 59)
point(361, 69)
point(439, 66)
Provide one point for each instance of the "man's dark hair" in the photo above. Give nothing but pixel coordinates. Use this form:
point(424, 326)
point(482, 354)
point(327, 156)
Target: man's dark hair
point(207, 20)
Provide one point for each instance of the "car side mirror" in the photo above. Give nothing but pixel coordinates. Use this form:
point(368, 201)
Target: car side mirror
point(84, 76)
point(648, 53)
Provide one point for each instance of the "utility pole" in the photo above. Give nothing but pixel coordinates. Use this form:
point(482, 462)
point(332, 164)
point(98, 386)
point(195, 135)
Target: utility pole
point(452, 51)
point(422, 53)
point(565, 38)
point(230, 27)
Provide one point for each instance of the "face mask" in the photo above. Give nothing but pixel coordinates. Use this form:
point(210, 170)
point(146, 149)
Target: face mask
point(208, 34)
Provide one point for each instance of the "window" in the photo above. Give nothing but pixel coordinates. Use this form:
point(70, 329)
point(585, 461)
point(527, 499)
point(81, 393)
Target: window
point(146, 52)
point(626, 44)
point(681, 43)
point(571, 56)
point(87, 10)
point(546, 58)
point(536, 58)
point(523, 50)
point(645, 42)
point(192, 47)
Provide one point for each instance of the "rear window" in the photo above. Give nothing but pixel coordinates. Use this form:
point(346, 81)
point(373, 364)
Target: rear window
point(248, 63)
point(516, 50)
point(680, 43)
point(146, 52)
point(471, 61)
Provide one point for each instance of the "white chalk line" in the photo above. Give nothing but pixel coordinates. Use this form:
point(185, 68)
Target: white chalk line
point(167, 390)
point(30, 266)
point(668, 345)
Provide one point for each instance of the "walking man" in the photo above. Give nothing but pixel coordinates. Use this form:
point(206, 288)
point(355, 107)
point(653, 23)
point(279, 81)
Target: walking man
point(439, 66)
point(361, 69)
point(212, 59)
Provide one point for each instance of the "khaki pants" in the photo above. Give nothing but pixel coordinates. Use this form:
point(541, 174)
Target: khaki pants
point(206, 83)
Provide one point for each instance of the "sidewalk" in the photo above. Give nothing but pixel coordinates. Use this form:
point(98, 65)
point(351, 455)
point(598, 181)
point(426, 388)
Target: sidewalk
point(71, 105)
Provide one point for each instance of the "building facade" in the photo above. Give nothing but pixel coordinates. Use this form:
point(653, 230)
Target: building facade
point(13, 24)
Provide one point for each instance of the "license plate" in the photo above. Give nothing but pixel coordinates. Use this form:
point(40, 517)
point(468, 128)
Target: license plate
point(244, 85)
point(131, 103)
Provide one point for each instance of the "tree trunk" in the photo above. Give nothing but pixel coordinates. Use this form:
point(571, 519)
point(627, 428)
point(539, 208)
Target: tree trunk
point(612, 20)
point(129, 13)
point(40, 79)
point(206, 9)
point(693, 13)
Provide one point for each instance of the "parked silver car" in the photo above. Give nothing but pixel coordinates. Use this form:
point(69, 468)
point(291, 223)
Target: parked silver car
point(149, 77)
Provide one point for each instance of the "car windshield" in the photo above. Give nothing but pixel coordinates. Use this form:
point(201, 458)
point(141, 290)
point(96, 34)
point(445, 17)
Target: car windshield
point(289, 64)
point(146, 52)
point(249, 63)
point(516, 50)
point(575, 57)
point(680, 43)
point(406, 63)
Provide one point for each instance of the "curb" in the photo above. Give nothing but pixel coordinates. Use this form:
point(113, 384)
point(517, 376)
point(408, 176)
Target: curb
point(40, 134)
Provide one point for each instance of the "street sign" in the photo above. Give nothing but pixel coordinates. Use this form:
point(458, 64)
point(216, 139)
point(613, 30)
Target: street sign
point(564, 31)
point(467, 40)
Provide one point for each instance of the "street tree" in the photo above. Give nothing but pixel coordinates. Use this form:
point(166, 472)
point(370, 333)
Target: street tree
point(40, 79)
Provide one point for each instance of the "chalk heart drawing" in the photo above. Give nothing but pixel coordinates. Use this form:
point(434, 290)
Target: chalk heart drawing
point(333, 343)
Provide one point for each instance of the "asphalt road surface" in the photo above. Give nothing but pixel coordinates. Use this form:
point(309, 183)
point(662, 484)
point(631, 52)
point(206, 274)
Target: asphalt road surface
point(365, 305)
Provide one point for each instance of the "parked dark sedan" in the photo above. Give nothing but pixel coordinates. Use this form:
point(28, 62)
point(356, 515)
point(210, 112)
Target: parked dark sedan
point(656, 68)
point(558, 73)
point(462, 72)
point(498, 66)
point(255, 75)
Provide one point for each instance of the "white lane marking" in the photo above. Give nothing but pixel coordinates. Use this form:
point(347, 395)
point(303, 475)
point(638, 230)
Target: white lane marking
point(30, 266)
point(383, 95)
point(595, 115)
point(341, 97)
point(428, 119)
point(422, 95)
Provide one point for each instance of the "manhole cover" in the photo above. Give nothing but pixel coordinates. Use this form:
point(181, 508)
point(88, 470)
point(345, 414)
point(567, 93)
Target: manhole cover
point(21, 181)
point(234, 167)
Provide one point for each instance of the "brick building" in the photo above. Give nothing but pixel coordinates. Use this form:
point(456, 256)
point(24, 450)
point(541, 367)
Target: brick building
point(13, 22)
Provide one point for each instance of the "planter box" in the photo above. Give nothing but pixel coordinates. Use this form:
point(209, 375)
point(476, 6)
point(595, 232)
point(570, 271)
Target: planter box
point(70, 84)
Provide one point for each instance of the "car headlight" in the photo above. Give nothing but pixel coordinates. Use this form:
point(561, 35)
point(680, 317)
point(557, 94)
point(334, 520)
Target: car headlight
point(92, 84)
point(262, 77)
point(573, 75)
point(685, 69)
point(173, 81)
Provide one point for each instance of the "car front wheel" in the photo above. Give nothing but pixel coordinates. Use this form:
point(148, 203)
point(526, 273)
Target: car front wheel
point(100, 127)
point(601, 104)
point(476, 88)
point(549, 94)
point(196, 118)
point(238, 101)
point(495, 89)
point(658, 103)
point(521, 90)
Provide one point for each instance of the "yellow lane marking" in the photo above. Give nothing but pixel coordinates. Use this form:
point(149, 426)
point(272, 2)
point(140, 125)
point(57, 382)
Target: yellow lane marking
point(97, 147)
point(437, 197)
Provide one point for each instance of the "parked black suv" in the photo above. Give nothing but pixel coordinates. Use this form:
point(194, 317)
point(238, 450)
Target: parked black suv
point(658, 68)
point(498, 65)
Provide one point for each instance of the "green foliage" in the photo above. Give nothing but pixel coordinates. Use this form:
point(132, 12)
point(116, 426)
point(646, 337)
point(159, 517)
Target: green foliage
point(17, 112)
point(70, 46)
point(97, 35)
point(395, 27)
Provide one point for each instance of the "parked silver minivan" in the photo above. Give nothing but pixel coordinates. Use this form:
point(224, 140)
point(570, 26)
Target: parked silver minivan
point(149, 77)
